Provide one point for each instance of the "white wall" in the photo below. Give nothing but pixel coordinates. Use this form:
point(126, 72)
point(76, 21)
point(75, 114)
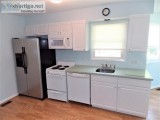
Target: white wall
point(11, 27)
point(119, 9)
point(0, 57)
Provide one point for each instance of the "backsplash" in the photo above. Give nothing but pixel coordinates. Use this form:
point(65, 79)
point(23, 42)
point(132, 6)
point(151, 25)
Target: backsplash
point(135, 60)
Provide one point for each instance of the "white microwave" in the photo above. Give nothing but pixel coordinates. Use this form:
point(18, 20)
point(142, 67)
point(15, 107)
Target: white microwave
point(59, 42)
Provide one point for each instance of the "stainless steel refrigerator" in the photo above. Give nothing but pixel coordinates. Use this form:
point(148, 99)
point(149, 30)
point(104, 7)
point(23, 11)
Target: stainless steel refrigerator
point(32, 57)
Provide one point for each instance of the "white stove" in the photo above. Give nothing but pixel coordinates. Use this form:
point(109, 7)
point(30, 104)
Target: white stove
point(56, 80)
point(60, 68)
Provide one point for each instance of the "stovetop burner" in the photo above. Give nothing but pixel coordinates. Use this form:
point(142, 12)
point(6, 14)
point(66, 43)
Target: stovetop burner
point(62, 68)
point(57, 67)
point(66, 66)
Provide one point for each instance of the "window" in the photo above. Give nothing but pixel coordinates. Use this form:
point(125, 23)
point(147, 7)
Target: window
point(154, 42)
point(108, 39)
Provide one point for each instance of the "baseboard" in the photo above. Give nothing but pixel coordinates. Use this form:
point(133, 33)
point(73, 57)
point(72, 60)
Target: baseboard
point(7, 99)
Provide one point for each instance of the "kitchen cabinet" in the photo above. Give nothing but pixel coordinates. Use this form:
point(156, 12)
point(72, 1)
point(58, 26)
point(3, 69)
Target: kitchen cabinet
point(80, 35)
point(103, 92)
point(126, 95)
point(133, 96)
point(78, 87)
point(138, 32)
point(41, 29)
point(60, 29)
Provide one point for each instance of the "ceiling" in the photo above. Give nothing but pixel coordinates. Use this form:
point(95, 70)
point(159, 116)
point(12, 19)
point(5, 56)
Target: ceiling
point(77, 4)
point(74, 4)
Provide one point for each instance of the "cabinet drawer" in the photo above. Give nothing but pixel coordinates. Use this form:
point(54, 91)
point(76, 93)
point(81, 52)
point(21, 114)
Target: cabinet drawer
point(57, 95)
point(104, 79)
point(134, 82)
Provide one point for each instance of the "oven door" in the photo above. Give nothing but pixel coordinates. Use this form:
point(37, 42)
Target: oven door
point(56, 82)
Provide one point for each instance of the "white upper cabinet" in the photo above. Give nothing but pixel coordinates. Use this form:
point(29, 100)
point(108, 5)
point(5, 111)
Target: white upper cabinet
point(80, 38)
point(66, 29)
point(138, 32)
point(41, 29)
point(60, 29)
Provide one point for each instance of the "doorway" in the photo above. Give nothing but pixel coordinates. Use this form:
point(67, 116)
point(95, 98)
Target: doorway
point(153, 52)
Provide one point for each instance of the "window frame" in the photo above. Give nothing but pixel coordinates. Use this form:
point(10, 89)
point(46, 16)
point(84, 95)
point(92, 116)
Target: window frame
point(123, 56)
point(149, 57)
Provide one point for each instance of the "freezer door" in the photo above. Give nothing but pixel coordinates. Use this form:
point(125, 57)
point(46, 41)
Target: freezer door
point(33, 64)
point(21, 76)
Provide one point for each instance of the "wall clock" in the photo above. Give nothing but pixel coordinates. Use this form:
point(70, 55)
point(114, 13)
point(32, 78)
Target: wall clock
point(106, 11)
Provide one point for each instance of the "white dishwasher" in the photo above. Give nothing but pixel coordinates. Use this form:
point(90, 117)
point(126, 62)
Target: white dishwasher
point(78, 87)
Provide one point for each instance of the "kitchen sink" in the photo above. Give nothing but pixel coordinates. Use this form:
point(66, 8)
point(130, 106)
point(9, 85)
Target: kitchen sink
point(105, 70)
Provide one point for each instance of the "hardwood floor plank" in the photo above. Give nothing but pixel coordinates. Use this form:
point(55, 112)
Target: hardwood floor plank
point(26, 108)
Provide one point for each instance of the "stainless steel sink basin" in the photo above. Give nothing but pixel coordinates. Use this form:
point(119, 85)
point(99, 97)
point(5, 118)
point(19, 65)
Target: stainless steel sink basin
point(105, 70)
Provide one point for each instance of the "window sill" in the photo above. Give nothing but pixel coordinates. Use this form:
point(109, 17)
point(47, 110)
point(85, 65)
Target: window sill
point(108, 59)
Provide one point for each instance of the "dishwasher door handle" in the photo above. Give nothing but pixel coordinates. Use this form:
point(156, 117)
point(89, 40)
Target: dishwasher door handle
point(78, 75)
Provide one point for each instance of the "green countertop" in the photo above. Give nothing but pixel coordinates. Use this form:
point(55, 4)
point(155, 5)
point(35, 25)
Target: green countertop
point(129, 73)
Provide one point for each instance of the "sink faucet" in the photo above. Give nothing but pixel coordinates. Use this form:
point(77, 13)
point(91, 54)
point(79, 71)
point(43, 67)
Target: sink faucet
point(106, 66)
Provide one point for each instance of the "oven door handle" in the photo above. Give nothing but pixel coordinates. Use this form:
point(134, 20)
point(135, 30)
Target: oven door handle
point(52, 74)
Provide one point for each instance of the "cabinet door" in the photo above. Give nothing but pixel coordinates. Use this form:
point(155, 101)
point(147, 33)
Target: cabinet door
point(42, 29)
point(138, 32)
point(31, 30)
point(80, 40)
point(66, 29)
point(104, 95)
point(54, 29)
point(133, 100)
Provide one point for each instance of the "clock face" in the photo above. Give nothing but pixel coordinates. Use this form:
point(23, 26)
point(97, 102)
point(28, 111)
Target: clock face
point(105, 11)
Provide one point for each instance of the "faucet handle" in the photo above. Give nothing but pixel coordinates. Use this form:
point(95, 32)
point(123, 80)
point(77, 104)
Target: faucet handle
point(103, 65)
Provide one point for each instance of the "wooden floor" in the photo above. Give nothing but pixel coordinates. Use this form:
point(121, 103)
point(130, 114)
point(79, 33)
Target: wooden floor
point(26, 108)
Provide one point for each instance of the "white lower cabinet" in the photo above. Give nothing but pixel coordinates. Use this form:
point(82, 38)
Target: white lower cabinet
point(103, 92)
point(133, 96)
point(132, 100)
point(104, 95)
point(126, 95)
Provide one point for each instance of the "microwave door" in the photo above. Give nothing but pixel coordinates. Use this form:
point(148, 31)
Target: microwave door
point(56, 43)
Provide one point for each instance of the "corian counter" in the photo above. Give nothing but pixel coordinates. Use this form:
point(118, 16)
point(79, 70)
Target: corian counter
point(129, 73)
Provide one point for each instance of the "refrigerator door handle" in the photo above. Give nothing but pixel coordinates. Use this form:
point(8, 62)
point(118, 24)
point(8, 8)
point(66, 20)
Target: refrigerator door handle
point(25, 62)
